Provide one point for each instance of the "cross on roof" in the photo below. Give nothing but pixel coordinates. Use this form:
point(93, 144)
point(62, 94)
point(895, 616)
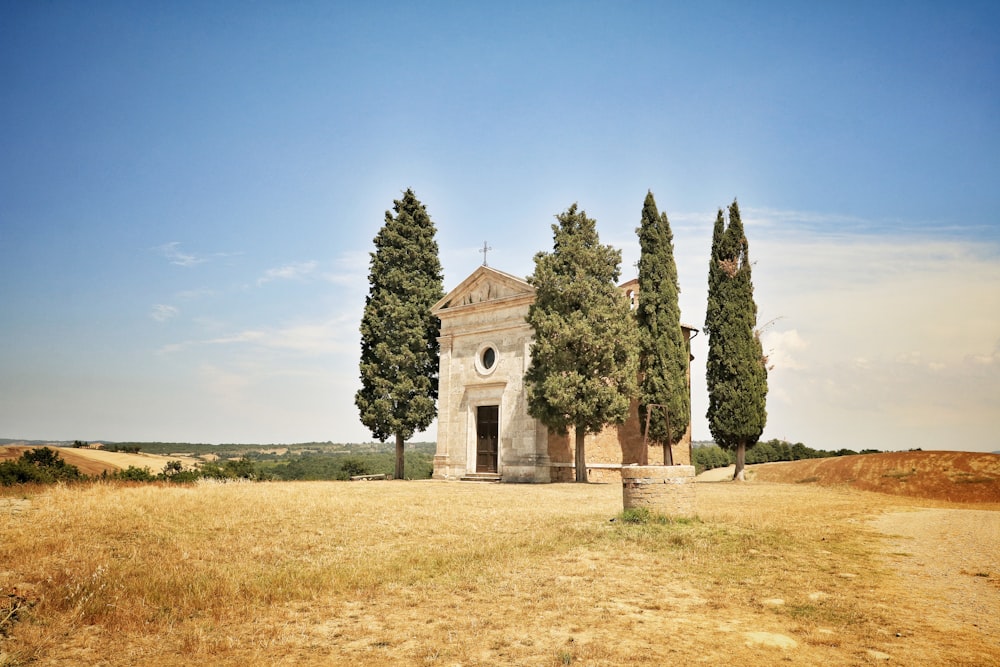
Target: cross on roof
point(485, 249)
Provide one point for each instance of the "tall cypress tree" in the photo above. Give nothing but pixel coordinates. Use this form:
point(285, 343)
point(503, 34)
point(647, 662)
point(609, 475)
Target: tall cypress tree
point(583, 358)
point(663, 355)
point(399, 346)
point(736, 369)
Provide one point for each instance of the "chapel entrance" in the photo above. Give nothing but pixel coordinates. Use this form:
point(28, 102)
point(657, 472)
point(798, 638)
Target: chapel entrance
point(487, 436)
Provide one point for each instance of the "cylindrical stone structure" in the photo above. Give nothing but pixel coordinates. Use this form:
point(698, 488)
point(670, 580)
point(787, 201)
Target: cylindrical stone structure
point(666, 490)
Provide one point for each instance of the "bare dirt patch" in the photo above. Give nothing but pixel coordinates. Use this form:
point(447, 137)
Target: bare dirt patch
point(953, 556)
point(962, 477)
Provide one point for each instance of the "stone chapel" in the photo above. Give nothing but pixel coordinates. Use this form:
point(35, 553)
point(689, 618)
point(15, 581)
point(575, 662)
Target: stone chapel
point(484, 429)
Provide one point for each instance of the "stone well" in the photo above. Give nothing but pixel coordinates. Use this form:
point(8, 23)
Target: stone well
point(666, 490)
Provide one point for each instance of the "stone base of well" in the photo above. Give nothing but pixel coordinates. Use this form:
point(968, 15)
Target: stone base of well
point(666, 490)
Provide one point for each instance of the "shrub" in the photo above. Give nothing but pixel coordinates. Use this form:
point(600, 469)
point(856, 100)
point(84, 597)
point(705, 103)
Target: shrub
point(134, 474)
point(42, 465)
point(352, 466)
point(242, 468)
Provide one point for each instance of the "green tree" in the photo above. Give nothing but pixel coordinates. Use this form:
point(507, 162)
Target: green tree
point(241, 468)
point(663, 349)
point(172, 469)
point(584, 356)
point(399, 346)
point(736, 369)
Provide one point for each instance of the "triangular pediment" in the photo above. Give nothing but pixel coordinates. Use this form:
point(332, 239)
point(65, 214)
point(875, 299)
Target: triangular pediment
point(483, 285)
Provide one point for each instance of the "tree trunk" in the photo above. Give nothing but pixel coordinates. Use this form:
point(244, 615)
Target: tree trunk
point(581, 455)
point(741, 457)
point(399, 457)
point(668, 452)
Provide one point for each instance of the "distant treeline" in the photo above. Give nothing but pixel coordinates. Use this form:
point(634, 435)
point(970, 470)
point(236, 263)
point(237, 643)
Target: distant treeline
point(708, 456)
point(260, 452)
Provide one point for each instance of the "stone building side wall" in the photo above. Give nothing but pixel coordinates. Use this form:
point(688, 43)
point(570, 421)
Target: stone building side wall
point(666, 490)
point(615, 445)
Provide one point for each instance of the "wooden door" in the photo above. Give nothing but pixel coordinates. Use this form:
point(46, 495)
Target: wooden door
point(487, 436)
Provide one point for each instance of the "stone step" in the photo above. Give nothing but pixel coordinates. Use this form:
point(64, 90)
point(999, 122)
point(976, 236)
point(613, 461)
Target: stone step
point(481, 477)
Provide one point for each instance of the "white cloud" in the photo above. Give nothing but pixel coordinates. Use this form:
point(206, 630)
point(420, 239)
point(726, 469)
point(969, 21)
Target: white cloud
point(351, 269)
point(781, 348)
point(249, 336)
point(225, 384)
point(173, 253)
point(293, 271)
point(194, 294)
point(162, 312)
point(335, 336)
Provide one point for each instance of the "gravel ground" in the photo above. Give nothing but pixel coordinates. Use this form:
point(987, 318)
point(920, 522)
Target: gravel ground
point(952, 558)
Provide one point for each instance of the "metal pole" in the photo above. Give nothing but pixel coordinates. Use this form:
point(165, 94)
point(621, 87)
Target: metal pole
point(644, 455)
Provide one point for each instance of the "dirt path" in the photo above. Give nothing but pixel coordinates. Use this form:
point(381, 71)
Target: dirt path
point(717, 475)
point(952, 557)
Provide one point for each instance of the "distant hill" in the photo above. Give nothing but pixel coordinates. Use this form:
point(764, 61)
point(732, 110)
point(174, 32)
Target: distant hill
point(954, 476)
point(96, 461)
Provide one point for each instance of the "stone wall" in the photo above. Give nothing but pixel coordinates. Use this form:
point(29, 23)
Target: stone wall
point(616, 444)
point(666, 490)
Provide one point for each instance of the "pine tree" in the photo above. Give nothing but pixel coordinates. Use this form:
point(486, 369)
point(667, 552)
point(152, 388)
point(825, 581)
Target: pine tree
point(583, 359)
point(736, 369)
point(399, 346)
point(663, 349)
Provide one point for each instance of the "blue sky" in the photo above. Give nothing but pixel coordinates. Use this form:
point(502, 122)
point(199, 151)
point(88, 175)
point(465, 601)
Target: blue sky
point(189, 192)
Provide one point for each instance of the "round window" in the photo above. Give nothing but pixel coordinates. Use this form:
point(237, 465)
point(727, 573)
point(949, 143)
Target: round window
point(489, 358)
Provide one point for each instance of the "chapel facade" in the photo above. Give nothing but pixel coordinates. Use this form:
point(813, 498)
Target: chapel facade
point(484, 429)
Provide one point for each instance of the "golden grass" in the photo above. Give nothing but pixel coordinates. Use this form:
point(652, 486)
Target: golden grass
point(434, 573)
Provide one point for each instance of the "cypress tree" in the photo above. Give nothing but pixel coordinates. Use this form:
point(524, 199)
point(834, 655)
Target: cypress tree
point(664, 354)
point(583, 358)
point(736, 369)
point(399, 346)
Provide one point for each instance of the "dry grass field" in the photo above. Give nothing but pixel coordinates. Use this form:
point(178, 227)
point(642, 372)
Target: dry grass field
point(439, 573)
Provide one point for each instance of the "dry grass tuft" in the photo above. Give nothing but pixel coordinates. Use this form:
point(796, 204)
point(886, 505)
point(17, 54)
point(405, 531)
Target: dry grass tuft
point(431, 573)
